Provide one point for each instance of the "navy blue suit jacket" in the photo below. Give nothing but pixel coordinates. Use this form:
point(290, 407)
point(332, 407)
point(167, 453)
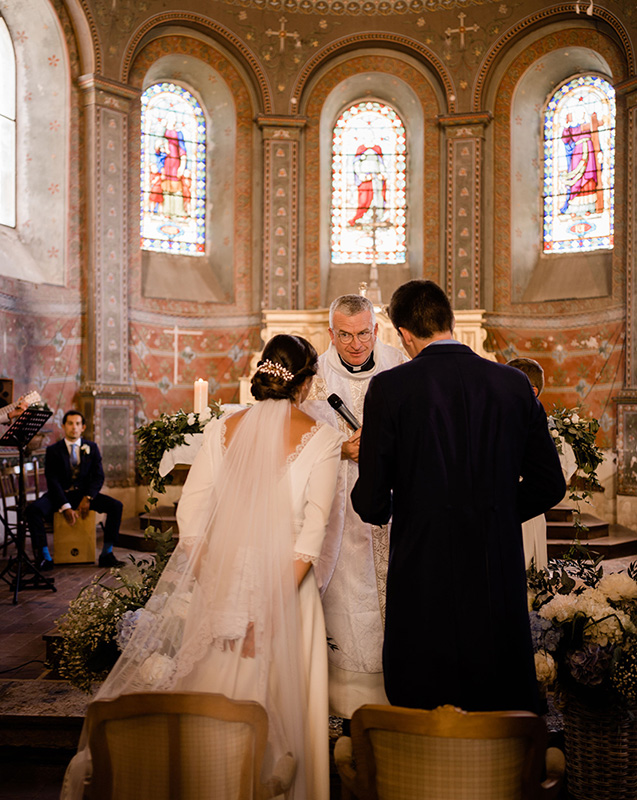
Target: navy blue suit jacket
point(445, 440)
point(57, 468)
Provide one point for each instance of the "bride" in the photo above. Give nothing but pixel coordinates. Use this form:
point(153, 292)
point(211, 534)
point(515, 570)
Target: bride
point(237, 609)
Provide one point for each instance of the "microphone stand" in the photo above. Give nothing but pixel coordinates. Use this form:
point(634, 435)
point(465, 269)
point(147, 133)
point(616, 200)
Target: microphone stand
point(20, 572)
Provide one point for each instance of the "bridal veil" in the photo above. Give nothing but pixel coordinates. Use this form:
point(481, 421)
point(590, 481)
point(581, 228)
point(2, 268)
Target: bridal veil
point(231, 575)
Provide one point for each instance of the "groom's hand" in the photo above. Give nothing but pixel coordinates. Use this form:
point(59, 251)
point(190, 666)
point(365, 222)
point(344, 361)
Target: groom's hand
point(350, 448)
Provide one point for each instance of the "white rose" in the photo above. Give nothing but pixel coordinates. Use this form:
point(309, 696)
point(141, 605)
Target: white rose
point(85, 449)
point(575, 418)
point(156, 669)
point(205, 414)
point(545, 668)
point(567, 420)
point(555, 434)
point(191, 418)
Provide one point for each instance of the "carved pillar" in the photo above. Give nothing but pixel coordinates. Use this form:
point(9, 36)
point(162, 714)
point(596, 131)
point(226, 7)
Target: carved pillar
point(107, 398)
point(627, 400)
point(464, 136)
point(281, 136)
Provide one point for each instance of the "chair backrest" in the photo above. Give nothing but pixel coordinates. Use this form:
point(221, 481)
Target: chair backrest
point(447, 754)
point(8, 491)
point(176, 746)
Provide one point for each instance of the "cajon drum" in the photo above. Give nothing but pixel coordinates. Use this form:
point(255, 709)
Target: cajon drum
point(74, 544)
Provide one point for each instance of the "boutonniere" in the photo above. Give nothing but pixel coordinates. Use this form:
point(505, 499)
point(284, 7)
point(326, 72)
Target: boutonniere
point(85, 449)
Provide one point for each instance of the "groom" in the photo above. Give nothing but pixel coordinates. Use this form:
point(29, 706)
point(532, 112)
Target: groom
point(446, 439)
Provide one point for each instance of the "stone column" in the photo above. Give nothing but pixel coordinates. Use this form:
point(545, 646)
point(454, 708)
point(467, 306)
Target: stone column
point(627, 400)
point(281, 137)
point(107, 398)
point(464, 135)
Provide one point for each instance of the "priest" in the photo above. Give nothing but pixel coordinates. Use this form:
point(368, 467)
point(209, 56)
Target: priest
point(353, 564)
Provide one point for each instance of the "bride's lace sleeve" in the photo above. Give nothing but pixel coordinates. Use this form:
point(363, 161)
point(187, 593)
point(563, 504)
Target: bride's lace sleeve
point(193, 510)
point(319, 494)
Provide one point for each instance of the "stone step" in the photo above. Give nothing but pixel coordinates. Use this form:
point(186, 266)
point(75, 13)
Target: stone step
point(560, 513)
point(132, 531)
point(619, 542)
point(563, 530)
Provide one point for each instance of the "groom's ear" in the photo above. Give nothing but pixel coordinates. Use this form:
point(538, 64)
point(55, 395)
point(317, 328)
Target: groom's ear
point(406, 336)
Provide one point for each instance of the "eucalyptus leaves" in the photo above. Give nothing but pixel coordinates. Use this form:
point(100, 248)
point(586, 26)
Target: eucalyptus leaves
point(163, 434)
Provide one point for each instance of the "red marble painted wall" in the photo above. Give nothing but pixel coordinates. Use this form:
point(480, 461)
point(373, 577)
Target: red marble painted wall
point(583, 366)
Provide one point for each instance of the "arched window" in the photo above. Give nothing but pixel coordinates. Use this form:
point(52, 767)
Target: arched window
point(173, 171)
point(579, 166)
point(368, 186)
point(7, 128)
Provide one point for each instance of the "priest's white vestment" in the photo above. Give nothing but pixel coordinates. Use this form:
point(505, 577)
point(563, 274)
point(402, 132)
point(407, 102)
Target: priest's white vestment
point(352, 568)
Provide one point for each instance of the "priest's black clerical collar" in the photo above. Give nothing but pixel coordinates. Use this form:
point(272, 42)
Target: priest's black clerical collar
point(369, 364)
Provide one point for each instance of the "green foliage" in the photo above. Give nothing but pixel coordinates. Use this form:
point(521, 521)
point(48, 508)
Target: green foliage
point(87, 650)
point(163, 434)
point(566, 425)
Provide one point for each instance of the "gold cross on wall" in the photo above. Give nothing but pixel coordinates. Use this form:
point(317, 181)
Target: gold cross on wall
point(283, 35)
point(461, 29)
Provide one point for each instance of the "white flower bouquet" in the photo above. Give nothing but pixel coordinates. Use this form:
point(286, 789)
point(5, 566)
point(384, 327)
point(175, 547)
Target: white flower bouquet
point(584, 628)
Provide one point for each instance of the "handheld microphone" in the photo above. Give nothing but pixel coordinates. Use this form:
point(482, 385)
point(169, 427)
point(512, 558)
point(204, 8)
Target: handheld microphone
point(339, 406)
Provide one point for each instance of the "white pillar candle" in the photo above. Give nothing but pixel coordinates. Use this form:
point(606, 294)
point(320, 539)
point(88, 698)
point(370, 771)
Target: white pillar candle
point(201, 395)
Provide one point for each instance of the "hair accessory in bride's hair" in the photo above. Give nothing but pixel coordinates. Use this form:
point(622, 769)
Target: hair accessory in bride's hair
point(277, 370)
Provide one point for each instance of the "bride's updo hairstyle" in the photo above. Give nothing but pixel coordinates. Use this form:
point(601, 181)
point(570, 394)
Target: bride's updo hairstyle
point(285, 364)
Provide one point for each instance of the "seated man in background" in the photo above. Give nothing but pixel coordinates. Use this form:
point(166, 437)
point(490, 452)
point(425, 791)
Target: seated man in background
point(74, 477)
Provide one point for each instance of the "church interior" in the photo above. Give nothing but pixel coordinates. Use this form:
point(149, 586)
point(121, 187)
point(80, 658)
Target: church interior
point(182, 179)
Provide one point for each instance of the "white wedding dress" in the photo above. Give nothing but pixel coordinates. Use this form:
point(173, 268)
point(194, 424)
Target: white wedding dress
point(312, 471)
point(246, 514)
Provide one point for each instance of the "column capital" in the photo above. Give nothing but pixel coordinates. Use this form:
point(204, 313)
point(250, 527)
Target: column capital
point(101, 91)
point(628, 90)
point(465, 126)
point(280, 126)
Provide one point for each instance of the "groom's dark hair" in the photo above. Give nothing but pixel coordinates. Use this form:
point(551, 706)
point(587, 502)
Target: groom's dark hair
point(422, 308)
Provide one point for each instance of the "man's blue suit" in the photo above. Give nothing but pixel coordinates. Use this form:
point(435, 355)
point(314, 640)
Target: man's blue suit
point(446, 438)
point(62, 488)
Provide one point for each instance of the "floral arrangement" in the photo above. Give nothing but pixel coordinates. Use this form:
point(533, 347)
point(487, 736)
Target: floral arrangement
point(571, 431)
point(169, 431)
point(567, 426)
point(584, 628)
point(94, 629)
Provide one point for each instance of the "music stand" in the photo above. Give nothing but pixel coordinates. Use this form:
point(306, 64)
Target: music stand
point(21, 572)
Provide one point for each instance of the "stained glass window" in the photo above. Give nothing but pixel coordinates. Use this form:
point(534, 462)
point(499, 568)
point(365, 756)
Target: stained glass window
point(7, 128)
point(579, 166)
point(368, 186)
point(173, 171)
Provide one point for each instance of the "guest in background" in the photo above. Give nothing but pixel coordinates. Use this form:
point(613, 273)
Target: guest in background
point(74, 477)
point(534, 530)
point(447, 437)
point(353, 566)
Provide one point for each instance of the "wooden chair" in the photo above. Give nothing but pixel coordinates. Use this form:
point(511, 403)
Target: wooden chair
point(9, 510)
point(447, 754)
point(180, 746)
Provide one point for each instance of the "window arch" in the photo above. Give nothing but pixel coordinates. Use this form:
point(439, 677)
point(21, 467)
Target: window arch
point(579, 166)
point(173, 171)
point(7, 128)
point(369, 201)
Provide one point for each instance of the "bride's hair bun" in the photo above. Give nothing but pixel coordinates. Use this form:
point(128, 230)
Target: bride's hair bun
point(285, 364)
